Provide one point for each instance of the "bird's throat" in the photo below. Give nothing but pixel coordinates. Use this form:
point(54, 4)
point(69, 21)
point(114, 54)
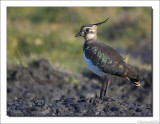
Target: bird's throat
point(90, 37)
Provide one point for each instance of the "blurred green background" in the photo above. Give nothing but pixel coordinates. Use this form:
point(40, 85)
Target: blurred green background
point(49, 32)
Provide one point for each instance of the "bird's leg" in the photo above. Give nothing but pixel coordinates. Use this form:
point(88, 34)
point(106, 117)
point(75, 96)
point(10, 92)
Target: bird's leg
point(105, 84)
point(103, 88)
point(108, 82)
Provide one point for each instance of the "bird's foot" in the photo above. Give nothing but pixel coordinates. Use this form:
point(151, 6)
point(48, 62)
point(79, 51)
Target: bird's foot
point(103, 94)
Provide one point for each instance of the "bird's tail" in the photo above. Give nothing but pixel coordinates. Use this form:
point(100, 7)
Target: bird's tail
point(134, 77)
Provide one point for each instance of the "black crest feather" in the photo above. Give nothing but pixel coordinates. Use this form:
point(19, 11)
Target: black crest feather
point(101, 22)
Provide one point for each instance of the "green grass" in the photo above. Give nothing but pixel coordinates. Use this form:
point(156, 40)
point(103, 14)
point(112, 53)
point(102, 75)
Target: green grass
point(49, 32)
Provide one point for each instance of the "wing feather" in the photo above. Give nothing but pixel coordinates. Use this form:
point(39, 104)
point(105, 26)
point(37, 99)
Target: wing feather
point(105, 57)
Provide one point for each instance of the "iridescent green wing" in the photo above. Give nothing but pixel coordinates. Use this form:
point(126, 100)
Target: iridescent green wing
point(105, 58)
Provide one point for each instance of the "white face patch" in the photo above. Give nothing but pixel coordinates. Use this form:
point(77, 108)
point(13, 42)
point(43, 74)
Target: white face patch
point(90, 33)
point(92, 30)
point(90, 36)
point(92, 67)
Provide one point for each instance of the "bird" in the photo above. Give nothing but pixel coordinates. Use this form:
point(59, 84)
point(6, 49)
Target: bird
point(102, 59)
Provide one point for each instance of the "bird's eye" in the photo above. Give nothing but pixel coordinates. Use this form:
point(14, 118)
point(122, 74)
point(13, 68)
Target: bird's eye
point(87, 29)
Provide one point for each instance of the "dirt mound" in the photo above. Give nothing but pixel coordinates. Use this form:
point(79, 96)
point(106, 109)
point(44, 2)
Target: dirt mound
point(76, 107)
point(43, 90)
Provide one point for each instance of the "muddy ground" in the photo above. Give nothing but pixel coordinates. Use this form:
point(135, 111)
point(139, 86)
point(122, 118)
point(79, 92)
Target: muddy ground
point(43, 90)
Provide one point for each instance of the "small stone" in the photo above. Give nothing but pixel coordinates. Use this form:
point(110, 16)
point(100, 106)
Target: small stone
point(114, 109)
point(138, 110)
point(131, 106)
point(40, 102)
point(148, 106)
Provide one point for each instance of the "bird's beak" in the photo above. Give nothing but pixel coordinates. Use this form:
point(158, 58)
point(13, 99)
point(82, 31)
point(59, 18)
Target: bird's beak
point(79, 34)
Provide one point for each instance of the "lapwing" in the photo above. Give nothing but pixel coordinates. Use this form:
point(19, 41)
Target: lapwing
point(102, 59)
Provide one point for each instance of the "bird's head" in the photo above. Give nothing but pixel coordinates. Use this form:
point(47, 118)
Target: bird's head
point(89, 31)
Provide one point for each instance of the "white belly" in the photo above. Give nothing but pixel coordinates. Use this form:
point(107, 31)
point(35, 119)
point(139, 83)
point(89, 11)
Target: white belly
point(92, 67)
